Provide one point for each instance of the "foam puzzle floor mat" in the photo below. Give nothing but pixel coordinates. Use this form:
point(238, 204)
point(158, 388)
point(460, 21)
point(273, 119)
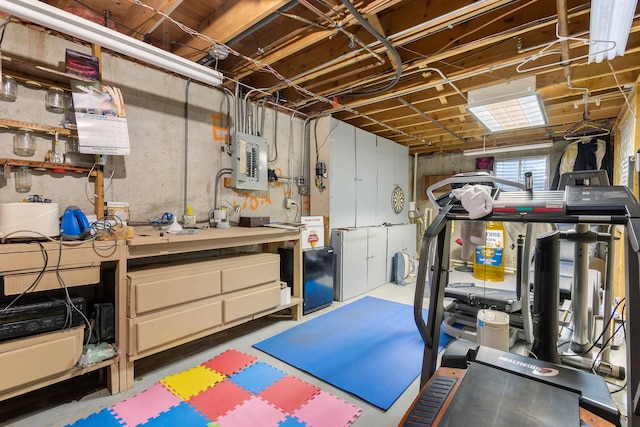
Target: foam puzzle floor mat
point(232, 389)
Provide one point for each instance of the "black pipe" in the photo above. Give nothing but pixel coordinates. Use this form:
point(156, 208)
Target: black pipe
point(519, 266)
point(546, 297)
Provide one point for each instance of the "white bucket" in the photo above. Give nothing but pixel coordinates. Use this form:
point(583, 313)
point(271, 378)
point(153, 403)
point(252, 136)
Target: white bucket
point(493, 329)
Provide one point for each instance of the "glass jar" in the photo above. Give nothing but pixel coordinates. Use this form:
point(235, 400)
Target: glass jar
point(9, 89)
point(24, 143)
point(23, 179)
point(55, 100)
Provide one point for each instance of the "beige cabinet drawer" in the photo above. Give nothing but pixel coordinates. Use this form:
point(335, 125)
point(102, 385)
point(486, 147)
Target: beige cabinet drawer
point(164, 287)
point(36, 358)
point(250, 270)
point(252, 301)
point(165, 327)
point(18, 283)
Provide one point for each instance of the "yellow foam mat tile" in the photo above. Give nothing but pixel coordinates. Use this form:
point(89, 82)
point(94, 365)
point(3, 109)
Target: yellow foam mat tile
point(191, 382)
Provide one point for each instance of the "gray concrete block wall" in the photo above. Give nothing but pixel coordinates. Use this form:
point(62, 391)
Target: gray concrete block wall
point(152, 177)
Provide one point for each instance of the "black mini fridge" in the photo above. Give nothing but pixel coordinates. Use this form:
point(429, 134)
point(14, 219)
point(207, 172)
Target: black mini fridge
point(317, 276)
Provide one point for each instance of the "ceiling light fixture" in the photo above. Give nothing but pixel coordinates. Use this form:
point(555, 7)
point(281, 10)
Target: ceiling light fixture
point(610, 22)
point(514, 104)
point(67, 23)
point(507, 149)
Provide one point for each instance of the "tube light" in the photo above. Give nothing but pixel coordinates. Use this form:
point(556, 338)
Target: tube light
point(59, 20)
point(510, 105)
point(610, 22)
point(507, 149)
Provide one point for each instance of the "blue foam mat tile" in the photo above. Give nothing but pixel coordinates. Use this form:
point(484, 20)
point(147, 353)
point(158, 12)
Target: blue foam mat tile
point(370, 348)
point(292, 422)
point(181, 415)
point(257, 377)
point(104, 418)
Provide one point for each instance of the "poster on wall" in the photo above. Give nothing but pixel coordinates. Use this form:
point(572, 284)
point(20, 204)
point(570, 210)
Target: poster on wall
point(99, 109)
point(484, 164)
point(101, 119)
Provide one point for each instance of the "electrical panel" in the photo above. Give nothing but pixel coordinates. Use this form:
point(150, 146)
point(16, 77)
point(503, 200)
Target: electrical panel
point(249, 162)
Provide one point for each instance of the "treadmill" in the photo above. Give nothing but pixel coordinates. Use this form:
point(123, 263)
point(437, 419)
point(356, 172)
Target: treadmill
point(481, 386)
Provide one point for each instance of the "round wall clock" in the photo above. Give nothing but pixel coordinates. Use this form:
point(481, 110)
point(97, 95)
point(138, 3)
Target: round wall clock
point(397, 200)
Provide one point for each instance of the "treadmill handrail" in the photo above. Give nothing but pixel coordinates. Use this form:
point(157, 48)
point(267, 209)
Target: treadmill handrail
point(469, 180)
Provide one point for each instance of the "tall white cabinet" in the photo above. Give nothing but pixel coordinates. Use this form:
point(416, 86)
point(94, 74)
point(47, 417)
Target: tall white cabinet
point(364, 171)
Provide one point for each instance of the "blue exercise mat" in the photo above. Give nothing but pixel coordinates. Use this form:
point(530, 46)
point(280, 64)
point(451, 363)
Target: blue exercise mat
point(370, 348)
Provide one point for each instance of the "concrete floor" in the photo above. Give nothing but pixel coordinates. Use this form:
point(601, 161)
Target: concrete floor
point(152, 369)
point(156, 367)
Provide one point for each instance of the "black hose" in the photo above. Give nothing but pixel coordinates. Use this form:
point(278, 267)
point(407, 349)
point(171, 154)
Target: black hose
point(384, 41)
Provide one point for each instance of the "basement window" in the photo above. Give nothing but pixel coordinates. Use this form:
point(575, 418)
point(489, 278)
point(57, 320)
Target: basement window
point(514, 170)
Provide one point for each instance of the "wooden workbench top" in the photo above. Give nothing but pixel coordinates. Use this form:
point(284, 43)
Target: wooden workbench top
point(150, 242)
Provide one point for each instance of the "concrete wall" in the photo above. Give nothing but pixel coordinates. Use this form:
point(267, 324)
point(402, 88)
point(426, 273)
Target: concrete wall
point(152, 177)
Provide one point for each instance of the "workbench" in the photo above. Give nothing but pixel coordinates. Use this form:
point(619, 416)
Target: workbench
point(36, 361)
point(167, 290)
point(215, 292)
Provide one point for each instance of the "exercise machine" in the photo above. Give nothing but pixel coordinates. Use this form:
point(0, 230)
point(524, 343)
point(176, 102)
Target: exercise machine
point(466, 299)
point(543, 379)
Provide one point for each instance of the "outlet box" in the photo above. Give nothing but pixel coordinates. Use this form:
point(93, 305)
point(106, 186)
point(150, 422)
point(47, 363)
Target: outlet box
point(289, 203)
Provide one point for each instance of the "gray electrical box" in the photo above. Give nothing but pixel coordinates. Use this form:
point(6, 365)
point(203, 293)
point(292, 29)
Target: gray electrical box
point(249, 162)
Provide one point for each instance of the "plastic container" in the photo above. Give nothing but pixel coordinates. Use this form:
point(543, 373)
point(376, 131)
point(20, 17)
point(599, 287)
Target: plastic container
point(55, 100)
point(24, 143)
point(23, 179)
point(489, 259)
point(9, 89)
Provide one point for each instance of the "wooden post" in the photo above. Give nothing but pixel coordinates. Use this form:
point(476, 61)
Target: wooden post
point(99, 183)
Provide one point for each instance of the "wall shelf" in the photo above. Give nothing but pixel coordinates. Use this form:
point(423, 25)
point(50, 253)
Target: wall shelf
point(38, 128)
point(34, 75)
point(53, 167)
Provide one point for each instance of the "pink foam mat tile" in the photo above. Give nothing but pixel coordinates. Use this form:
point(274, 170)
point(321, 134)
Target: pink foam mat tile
point(255, 412)
point(289, 393)
point(193, 381)
point(229, 362)
point(219, 399)
point(326, 410)
point(143, 406)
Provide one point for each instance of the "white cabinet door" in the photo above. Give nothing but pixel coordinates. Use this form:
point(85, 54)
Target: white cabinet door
point(342, 210)
point(366, 178)
point(401, 179)
point(350, 247)
point(376, 254)
point(386, 179)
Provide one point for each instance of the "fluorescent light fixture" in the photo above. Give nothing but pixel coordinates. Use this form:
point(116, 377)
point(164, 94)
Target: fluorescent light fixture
point(514, 104)
point(507, 149)
point(57, 19)
point(610, 22)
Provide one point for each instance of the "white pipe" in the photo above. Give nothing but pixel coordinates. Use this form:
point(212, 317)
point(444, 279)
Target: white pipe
point(415, 177)
point(67, 23)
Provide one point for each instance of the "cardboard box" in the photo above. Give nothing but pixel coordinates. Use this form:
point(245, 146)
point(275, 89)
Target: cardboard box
point(119, 209)
point(313, 234)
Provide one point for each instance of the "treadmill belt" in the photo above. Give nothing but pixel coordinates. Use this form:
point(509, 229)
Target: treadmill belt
point(489, 397)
